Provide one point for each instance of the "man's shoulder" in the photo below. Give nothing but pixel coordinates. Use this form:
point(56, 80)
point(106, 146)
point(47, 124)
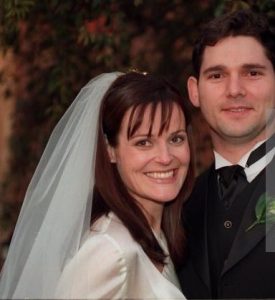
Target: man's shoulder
point(193, 208)
point(202, 180)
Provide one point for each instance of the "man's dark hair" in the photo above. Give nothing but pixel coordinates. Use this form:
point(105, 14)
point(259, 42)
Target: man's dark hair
point(237, 23)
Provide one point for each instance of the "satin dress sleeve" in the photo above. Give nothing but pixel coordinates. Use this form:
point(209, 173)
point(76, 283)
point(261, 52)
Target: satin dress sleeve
point(111, 265)
point(97, 271)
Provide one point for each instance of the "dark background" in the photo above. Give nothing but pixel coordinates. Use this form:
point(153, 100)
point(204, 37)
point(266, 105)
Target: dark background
point(57, 46)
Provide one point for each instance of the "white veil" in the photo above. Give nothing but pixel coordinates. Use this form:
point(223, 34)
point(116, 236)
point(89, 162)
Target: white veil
point(56, 210)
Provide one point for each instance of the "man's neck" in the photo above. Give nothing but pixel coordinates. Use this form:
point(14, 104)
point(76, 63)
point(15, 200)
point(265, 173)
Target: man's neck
point(231, 151)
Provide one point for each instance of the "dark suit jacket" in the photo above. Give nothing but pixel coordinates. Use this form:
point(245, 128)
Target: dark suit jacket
point(249, 271)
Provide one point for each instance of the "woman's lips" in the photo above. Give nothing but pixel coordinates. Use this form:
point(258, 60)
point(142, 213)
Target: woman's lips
point(162, 176)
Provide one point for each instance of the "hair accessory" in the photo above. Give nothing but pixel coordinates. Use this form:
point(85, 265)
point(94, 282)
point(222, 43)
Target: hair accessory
point(137, 71)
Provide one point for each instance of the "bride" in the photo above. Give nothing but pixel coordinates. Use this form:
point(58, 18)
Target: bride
point(101, 217)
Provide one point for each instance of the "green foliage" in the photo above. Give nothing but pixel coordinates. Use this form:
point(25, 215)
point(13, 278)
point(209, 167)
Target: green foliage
point(11, 12)
point(264, 211)
point(265, 6)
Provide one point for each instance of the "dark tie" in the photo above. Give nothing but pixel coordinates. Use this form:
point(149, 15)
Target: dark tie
point(232, 180)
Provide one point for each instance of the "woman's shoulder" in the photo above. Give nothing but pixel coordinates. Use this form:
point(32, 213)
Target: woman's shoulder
point(110, 230)
point(100, 261)
point(106, 240)
point(99, 244)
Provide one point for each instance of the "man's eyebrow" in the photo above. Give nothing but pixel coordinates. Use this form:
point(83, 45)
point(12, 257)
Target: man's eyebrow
point(218, 68)
point(213, 69)
point(253, 66)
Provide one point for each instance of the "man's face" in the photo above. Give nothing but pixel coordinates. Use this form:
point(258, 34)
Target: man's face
point(235, 89)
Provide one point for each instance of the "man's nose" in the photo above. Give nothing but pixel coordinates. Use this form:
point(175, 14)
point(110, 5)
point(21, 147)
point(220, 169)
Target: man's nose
point(235, 86)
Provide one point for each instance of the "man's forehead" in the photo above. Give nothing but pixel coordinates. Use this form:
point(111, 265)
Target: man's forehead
point(239, 50)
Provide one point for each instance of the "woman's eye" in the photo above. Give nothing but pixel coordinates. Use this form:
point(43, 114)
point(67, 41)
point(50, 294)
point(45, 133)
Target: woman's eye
point(177, 139)
point(143, 143)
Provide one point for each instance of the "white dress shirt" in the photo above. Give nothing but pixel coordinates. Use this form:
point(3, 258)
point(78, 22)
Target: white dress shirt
point(253, 170)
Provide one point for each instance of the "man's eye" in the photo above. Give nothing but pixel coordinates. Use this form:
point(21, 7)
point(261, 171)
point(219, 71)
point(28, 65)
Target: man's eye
point(215, 76)
point(254, 73)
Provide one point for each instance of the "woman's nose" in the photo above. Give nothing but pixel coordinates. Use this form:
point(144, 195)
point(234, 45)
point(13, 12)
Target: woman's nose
point(164, 154)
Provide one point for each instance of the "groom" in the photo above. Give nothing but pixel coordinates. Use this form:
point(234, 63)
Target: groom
point(234, 86)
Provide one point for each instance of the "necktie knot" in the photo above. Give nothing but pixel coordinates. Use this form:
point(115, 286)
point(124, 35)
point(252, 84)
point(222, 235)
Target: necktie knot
point(230, 173)
point(232, 180)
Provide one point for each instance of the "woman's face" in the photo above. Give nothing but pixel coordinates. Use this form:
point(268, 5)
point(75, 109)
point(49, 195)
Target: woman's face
point(153, 168)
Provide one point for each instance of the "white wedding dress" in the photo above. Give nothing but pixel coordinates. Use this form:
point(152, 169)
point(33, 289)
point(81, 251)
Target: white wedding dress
point(111, 265)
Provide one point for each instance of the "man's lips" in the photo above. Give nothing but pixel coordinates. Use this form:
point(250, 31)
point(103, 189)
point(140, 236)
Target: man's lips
point(237, 109)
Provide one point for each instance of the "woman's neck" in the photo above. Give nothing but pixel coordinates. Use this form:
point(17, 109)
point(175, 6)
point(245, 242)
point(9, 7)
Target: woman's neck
point(153, 212)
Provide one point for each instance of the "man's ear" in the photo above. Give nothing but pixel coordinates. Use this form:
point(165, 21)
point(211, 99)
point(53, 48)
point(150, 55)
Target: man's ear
point(193, 91)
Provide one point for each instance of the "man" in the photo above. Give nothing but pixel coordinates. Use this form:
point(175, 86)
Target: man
point(234, 86)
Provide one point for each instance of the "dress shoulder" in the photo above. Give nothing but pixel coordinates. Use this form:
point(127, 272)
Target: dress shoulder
point(111, 265)
point(97, 271)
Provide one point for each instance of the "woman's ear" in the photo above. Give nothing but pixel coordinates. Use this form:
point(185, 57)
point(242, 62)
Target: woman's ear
point(112, 154)
point(111, 151)
point(193, 91)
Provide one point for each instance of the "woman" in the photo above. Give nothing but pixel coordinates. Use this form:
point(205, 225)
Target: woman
point(124, 246)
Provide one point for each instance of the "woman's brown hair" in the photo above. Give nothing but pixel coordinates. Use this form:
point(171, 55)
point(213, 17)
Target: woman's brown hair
point(137, 91)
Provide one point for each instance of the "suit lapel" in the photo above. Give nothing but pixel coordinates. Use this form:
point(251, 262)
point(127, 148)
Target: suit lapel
point(200, 254)
point(199, 244)
point(245, 240)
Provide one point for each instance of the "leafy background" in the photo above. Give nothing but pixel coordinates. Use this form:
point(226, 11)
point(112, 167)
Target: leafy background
point(57, 46)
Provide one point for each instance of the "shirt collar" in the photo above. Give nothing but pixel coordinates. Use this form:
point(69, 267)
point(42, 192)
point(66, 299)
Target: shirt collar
point(220, 161)
point(252, 171)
